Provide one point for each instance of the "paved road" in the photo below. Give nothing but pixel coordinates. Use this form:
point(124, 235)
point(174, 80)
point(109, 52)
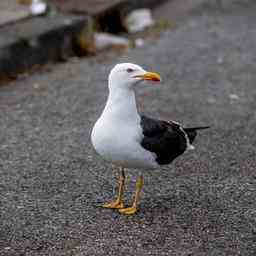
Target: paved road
point(52, 182)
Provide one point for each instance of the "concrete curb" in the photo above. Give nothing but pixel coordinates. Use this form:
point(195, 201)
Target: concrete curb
point(39, 40)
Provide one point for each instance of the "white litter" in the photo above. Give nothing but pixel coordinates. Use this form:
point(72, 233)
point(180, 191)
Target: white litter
point(138, 20)
point(38, 7)
point(105, 40)
point(139, 42)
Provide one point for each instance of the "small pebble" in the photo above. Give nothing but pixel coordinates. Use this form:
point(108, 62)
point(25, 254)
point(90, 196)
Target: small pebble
point(233, 96)
point(36, 86)
point(211, 100)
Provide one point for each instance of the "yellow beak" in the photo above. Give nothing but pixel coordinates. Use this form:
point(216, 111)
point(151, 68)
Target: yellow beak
point(152, 76)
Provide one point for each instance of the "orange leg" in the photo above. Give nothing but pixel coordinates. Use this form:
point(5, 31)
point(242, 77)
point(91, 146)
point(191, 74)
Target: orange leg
point(118, 203)
point(134, 208)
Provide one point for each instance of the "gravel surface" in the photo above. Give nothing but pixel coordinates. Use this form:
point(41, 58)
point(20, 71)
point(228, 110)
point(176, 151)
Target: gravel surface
point(52, 182)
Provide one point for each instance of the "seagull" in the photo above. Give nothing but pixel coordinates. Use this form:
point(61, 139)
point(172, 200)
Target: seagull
point(128, 139)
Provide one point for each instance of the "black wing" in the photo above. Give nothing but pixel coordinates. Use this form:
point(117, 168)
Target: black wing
point(166, 139)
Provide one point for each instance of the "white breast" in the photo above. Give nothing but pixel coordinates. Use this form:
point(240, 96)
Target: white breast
point(120, 144)
point(117, 134)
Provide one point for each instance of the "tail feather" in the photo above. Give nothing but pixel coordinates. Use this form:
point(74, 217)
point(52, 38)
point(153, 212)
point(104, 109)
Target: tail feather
point(192, 132)
point(196, 128)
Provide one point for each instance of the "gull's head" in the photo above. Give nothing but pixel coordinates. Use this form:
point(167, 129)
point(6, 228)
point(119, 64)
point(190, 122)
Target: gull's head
point(127, 75)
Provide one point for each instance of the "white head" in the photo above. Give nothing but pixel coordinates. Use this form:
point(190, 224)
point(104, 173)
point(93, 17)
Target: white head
point(127, 75)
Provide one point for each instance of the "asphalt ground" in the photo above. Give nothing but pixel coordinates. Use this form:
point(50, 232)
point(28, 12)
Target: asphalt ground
point(53, 183)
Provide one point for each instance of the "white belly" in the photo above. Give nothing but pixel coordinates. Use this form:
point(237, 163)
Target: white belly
point(121, 145)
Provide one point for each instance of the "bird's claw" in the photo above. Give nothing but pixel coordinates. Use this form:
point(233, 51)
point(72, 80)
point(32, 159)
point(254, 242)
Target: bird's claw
point(128, 210)
point(114, 205)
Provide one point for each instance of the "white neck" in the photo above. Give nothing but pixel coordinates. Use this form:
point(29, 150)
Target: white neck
point(121, 105)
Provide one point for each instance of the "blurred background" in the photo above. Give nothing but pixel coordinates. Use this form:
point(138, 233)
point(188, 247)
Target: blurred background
point(36, 32)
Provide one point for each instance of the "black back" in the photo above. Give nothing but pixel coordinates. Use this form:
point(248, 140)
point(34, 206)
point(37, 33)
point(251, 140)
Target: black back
point(166, 139)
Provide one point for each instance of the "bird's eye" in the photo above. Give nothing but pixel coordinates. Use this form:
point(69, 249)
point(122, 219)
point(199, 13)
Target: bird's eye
point(129, 70)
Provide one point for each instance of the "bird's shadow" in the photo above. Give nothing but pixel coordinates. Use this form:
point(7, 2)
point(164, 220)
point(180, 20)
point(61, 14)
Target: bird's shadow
point(161, 205)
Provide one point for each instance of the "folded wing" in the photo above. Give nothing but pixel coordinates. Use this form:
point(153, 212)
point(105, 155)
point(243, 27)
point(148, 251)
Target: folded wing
point(166, 139)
